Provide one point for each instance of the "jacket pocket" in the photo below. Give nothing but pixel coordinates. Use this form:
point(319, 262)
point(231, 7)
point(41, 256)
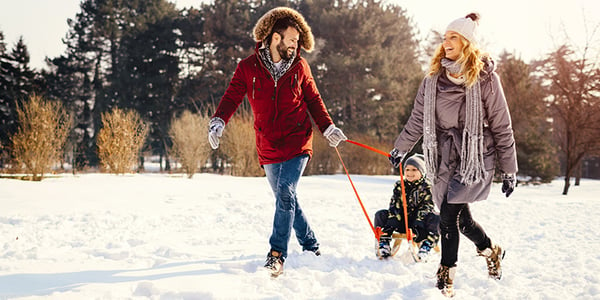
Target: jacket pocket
point(261, 125)
point(295, 85)
point(259, 95)
point(258, 92)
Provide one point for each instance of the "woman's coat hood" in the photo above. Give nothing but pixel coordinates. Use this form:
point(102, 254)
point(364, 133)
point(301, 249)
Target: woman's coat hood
point(264, 25)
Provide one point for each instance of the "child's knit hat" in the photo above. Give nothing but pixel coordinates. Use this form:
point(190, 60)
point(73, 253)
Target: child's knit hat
point(416, 161)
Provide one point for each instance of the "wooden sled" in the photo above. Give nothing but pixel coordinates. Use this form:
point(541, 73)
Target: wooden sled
point(397, 239)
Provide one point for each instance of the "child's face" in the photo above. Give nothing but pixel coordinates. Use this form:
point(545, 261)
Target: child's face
point(411, 173)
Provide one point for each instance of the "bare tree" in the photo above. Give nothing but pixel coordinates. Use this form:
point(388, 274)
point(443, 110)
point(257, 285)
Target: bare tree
point(574, 86)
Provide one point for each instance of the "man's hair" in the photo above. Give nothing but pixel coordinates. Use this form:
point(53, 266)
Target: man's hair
point(280, 26)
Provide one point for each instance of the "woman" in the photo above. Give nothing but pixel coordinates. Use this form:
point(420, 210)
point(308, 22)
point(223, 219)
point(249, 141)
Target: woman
point(461, 112)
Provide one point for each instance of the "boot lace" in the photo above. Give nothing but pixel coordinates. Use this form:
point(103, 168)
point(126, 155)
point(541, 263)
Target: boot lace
point(492, 259)
point(272, 261)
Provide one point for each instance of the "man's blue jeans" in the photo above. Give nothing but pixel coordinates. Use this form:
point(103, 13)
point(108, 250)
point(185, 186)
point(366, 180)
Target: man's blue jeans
point(283, 178)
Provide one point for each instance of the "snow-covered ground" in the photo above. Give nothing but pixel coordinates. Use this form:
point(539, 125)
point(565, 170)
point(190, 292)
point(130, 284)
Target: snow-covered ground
point(159, 236)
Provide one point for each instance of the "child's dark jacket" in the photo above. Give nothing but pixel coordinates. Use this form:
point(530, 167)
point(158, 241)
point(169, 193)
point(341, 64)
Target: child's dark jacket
point(419, 199)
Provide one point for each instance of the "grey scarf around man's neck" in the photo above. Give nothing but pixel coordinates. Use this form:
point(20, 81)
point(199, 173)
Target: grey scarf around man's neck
point(266, 58)
point(472, 169)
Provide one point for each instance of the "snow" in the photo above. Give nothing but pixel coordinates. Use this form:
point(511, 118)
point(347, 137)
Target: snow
point(161, 236)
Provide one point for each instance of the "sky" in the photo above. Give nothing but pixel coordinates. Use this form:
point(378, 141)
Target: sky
point(164, 236)
point(530, 29)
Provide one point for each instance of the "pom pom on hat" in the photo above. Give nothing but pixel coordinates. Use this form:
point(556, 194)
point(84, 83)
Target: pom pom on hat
point(467, 27)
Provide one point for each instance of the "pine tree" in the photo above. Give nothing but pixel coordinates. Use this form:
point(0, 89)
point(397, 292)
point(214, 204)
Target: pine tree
point(126, 51)
point(5, 120)
point(22, 74)
point(219, 41)
point(525, 94)
point(365, 64)
point(17, 80)
point(230, 39)
point(149, 69)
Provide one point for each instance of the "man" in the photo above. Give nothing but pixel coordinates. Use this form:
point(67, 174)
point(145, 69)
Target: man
point(282, 93)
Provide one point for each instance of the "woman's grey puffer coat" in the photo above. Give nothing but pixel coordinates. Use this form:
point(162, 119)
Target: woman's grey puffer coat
point(499, 143)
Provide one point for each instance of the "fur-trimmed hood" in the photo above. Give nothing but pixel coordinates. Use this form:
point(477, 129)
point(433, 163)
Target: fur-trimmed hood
point(264, 25)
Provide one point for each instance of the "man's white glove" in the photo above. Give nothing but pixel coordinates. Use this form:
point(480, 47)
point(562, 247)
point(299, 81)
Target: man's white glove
point(215, 131)
point(334, 135)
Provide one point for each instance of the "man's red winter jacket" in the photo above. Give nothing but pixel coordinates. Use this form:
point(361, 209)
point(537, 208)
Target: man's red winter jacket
point(281, 109)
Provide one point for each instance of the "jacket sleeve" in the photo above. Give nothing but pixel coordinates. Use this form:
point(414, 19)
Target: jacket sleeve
point(425, 201)
point(396, 201)
point(413, 130)
point(234, 95)
point(313, 99)
point(499, 122)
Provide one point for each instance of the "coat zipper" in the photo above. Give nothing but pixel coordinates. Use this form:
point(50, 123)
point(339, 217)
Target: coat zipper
point(275, 81)
point(275, 100)
point(253, 86)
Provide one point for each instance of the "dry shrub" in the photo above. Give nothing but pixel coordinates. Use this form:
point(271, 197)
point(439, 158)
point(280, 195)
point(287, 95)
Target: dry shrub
point(239, 144)
point(120, 140)
point(359, 160)
point(189, 144)
point(324, 159)
point(41, 137)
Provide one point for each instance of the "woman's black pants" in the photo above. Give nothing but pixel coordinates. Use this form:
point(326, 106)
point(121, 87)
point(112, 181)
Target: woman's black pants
point(455, 218)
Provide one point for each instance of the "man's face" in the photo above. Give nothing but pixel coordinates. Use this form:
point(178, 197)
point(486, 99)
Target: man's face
point(289, 43)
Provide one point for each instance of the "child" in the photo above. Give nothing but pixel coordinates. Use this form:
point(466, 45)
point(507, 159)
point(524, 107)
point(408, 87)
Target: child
point(422, 218)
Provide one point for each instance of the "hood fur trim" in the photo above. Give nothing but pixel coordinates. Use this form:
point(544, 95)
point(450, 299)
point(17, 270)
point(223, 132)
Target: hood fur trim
point(265, 24)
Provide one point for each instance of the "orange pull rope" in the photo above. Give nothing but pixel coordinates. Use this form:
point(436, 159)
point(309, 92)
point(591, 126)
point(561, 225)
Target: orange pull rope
point(408, 232)
point(369, 148)
point(376, 231)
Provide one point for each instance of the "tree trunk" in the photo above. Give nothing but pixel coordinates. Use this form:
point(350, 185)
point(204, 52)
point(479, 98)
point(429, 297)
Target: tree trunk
point(568, 172)
point(578, 173)
point(160, 162)
point(566, 188)
point(167, 158)
point(141, 167)
point(167, 163)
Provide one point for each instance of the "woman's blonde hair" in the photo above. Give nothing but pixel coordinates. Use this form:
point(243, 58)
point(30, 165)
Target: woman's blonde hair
point(470, 60)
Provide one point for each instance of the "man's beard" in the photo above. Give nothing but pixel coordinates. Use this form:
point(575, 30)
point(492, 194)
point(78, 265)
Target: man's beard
point(283, 51)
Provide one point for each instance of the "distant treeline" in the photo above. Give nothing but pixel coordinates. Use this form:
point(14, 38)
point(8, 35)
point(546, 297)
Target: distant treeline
point(157, 60)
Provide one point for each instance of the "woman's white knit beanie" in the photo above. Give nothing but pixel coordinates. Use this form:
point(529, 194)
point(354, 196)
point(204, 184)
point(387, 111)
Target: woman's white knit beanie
point(467, 27)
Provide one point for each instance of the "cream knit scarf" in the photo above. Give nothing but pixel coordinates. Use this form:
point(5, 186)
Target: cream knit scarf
point(472, 169)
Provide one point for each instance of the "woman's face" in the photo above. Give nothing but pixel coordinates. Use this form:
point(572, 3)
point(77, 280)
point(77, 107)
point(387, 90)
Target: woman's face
point(411, 173)
point(452, 45)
